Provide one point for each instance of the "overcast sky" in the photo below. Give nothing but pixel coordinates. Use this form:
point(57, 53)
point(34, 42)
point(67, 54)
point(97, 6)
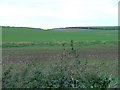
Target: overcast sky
point(58, 13)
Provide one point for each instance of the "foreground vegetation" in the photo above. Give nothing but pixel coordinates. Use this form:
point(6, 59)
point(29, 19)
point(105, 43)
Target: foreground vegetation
point(57, 75)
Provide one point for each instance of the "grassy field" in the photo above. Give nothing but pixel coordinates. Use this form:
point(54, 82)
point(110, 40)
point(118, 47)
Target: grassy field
point(59, 58)
point(13, 34)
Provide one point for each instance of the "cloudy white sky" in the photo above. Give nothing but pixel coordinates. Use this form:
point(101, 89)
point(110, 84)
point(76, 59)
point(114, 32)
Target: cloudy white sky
point(58, 13)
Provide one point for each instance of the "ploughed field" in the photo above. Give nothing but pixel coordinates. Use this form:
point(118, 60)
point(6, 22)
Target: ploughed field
point(23, 54)
point(94, 54)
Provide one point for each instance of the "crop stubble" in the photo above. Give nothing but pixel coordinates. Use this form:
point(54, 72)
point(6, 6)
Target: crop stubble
point(23, 54)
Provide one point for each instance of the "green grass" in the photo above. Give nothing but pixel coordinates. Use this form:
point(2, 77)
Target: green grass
point(13, 34)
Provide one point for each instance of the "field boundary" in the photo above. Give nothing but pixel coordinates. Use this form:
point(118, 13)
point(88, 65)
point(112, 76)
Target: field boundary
point(66, 43)
point(58, 42)
point(89, 28)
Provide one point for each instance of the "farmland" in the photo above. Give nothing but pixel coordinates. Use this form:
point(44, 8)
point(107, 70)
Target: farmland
point(37, 35)
point(60, 58)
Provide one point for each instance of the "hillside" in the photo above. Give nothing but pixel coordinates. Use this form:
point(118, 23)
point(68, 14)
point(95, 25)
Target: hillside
point(24, 34)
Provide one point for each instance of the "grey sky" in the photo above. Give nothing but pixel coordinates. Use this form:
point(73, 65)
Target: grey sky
point(58, 13)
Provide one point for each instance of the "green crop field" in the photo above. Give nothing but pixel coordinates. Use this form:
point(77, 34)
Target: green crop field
point(13, 34)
